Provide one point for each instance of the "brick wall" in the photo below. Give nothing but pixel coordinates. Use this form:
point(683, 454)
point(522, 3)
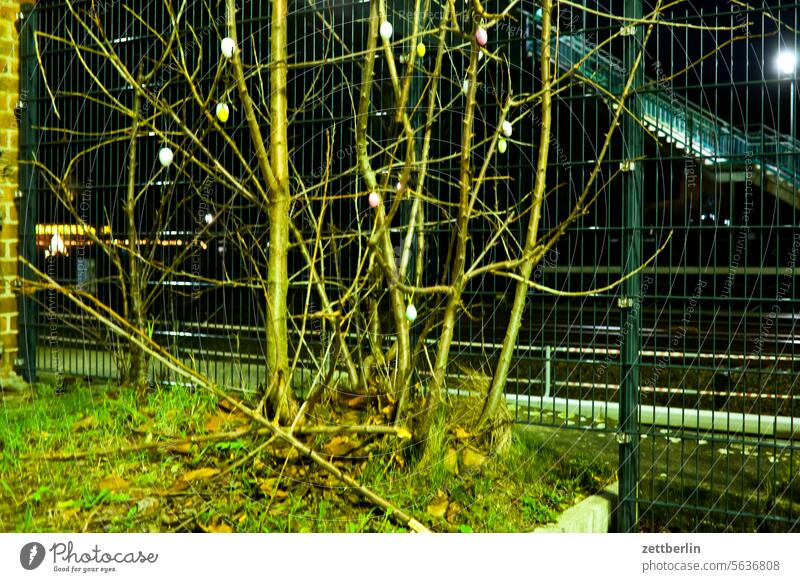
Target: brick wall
point(9, 184)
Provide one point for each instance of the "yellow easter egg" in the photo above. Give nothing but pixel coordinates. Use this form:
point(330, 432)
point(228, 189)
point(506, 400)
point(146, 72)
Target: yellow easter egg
point(223, 112)
point(421, 50)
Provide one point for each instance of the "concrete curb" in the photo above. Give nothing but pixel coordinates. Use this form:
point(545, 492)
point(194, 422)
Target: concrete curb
point(595, 514)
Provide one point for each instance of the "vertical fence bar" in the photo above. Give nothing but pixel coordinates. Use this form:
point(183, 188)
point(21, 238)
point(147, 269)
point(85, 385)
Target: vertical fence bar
point(28, 104)
point(632, 189)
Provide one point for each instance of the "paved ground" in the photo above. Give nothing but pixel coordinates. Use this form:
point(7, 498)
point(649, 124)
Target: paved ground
point(697, 472)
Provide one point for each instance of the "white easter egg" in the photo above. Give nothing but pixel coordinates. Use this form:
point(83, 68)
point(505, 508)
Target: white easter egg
point(386, 30)
point(227, 46)
point(165, 156)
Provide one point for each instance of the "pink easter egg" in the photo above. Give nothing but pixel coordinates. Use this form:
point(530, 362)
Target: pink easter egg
point(481, 36)
point(374, 199)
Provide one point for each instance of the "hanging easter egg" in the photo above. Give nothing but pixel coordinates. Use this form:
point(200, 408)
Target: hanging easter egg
point(502, 146)
point(223, 112)
point(480, 56)
point(481, 36)
point(386, 30)
point(507, 128)
point(465, 86)
point(411, 312)
point(399, 185)
point(421, 50)
point(228, 46)
point(165, 156)
point(374, 199)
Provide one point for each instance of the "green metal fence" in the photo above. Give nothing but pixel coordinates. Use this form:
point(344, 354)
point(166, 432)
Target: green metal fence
point(688, 369)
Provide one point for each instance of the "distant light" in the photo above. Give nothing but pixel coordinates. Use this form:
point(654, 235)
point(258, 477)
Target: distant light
point(702, 217)
point(57, 247)
point(727, 221)
point(209, 218)
point(786, 62)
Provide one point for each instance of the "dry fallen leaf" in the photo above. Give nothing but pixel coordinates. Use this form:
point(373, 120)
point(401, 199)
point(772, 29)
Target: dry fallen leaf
point(214, 423)
point(199, 474)
point(147, 505)
point(83, 423)
point(178, 486)
point(453, 511)
point(68, 514)
point(451, 461)
point(267, 486)
point(181, 449)
point(284, 452)
point(461, 434)
point(358, 402)
point(218, 528)
point(472, 458)
point(438, 508)
point(113, 483)
point(144, 428)
point(350, 417)
point(227, 406)
point(339, 446)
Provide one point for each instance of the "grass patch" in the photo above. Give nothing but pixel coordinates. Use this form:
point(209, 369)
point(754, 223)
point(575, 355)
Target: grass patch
point(245, 484)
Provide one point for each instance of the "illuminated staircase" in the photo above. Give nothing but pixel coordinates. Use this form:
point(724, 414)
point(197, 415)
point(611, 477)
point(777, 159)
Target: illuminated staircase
point(771, 159)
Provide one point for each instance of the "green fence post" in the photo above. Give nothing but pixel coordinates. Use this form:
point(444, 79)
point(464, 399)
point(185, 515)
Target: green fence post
point(28, 103)
point(630, 299)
